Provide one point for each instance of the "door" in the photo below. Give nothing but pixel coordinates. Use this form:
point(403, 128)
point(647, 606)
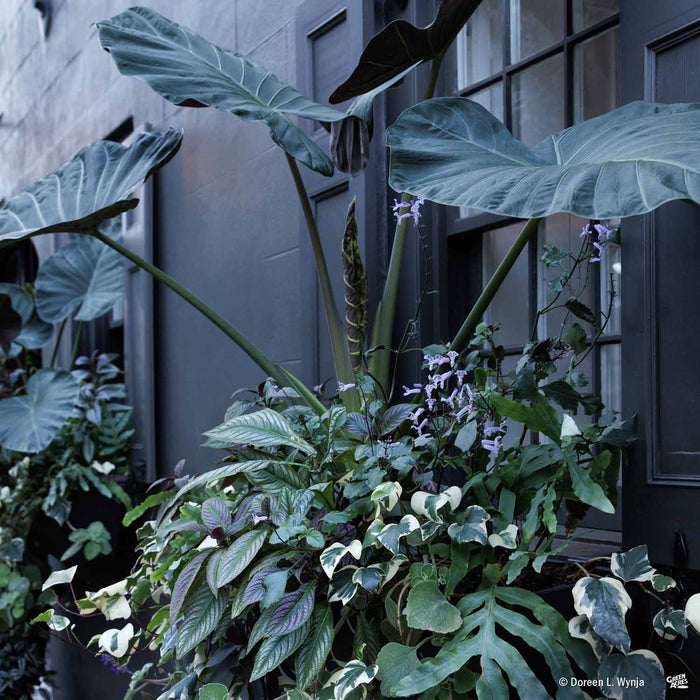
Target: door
point(660, 44)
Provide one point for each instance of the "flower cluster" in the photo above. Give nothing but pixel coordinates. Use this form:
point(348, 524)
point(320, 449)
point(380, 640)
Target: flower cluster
point(413, 208)
point(600, 241)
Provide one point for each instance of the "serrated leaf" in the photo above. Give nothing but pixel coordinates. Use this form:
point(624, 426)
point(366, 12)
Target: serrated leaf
point(202, 613)
point(626, 162)
point(605, 603)
point(264, 428)
point(232, 561)
point(274, 650)
point(93, 187)
point(190, 71)
point(428, 609)
point(184, 582)
point(29, 423)
point(315, 649)
point(290, 613)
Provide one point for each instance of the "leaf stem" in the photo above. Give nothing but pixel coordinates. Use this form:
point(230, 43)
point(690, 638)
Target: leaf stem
point(466, 332)
point(255, 354)
point(341, 356)
point(54, 354)
point(76, 345)
point(386, 311)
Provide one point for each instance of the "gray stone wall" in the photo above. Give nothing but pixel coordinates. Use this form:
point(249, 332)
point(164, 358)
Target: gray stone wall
point(226, 212)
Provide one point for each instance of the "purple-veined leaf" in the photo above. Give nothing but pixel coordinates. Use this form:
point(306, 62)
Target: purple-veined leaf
point(274, 650)
point(203, 611)
point(232, 561)
point(358, 425)
point(215, 514)
point(394, 416)
point(315, 649)
point(252, 589)
point(184, 582)
point(290, 613)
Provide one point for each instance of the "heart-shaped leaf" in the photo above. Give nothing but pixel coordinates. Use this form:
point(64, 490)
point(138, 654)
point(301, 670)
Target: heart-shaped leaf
point(29, 423)
point(626, 162)
point(10, 323)
point(428, 609)
point(34, 333)
point(605, 603)
point(188, 70)
point(84, 276)
point(401, 45)
point(633, 676)
point(91, 188)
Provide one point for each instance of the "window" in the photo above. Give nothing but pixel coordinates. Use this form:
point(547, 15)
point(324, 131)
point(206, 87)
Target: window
point(538, 66)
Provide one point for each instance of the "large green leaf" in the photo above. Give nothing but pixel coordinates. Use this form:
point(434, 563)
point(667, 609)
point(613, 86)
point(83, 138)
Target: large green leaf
point(29, 423)
point(479, 637)
point(264, 428)
point(93, 187)
point(314, 652)
point(34, 333)
point(188, 70)
point(86, 276)
point(638, 675)
point(428, 609)
point(401, 45)
point(626, 162)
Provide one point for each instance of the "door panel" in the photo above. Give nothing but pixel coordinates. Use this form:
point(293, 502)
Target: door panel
point(661, 311)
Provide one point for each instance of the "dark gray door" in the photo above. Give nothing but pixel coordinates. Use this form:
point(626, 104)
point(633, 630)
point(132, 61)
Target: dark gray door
point(660, 44)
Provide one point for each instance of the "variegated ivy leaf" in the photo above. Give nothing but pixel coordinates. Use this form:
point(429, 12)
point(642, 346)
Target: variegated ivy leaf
point(55, 622)
point(386, 495)
point(342, 588)
point(428, 609)
point(505, 538)
point(692, 611)
point(373, 531)
point(632, 676)
point(580, 628)
point(569, 429)
point(111, 601)
point(662, 583)
point(56, 577)
point(369, 577)
point(353, 675)
point(116, 641)
point(391, 534)
point(632, 565)
point(668, 624)
point(264, 428)
point(391, 568)
point(331, 555)
point(429, 505)
point(287, 615)
point(605, 602)
point(473, 529)
point(274, 650)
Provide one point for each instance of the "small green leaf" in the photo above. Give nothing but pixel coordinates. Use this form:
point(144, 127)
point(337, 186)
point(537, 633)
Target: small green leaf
point(632, 565)
point(586, 489)
point(395, 661)
point(213, 691)
point(56, 577)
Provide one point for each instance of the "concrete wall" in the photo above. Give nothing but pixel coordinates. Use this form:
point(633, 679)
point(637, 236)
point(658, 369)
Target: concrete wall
point(226, 211)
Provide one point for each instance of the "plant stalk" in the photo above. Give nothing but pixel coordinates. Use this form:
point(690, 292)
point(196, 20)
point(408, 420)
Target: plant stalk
point(466, 332)
point(255, 354)
point(76, 345)
point(54, 354)
point(341, 356)
point(386, 311)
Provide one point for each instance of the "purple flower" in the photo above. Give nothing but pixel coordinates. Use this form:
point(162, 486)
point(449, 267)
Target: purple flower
point(492, 445)
point(587, 231)
point(401, 205)
point(113, 666)
point(415, 209)
point(495, 429)
point(345, 387)
point(600, 250)
point(415, 390)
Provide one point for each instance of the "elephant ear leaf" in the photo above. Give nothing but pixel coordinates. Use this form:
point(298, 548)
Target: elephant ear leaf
point(34, 333)
point(624, 163)
point(401, 45)
point(10, 323)
point(29, 423)
point(84, 276)
point(93, 187)
point(190, 71)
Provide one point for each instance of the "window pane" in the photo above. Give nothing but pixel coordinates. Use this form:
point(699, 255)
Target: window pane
point(563, 231)
point(491, 98)
point(510, 306)
point(480, 44)
point(610, 376)
point(597, 75)
point(538, 99)
point(611, 273)
point(535, 25)
point(589, 12)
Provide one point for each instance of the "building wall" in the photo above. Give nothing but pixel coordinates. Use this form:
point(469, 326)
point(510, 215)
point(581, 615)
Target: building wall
point(225, 207)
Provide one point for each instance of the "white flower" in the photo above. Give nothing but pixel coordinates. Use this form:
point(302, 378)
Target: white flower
point(104, 468)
